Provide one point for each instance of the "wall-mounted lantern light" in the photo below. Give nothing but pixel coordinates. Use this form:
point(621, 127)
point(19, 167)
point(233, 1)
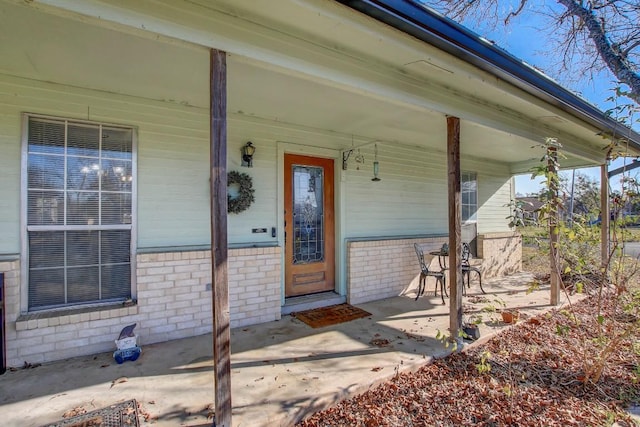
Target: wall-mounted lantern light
point(247, 154)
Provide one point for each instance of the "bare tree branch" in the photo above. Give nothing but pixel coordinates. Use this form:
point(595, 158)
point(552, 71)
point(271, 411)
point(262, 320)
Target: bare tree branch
point(588, 35)
point(516, 13)
point(610, 53)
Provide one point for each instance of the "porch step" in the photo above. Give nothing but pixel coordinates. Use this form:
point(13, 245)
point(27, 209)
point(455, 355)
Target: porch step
point(308, 302)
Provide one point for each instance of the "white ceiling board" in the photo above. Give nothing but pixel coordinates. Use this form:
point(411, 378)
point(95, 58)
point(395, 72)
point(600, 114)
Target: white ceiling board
point(46, 47)
point(269, 94)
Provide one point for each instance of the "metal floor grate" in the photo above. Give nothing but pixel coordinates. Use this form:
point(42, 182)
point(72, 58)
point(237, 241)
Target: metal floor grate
point(117, 415)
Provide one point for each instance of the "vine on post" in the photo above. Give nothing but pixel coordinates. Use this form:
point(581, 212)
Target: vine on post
point(550, 210)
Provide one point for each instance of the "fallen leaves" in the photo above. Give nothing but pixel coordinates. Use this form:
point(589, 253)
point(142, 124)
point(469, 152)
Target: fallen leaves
point(78, 410)
point(380, 342)
point(146, 415)
point(534, 380)
point(119, 380)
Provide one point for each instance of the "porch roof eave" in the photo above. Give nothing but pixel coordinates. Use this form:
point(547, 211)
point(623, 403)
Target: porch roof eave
point(428, 26)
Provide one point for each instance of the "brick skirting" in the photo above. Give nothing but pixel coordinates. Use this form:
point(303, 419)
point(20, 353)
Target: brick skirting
point(173, 301)
point(379, 269)
point(174, 294)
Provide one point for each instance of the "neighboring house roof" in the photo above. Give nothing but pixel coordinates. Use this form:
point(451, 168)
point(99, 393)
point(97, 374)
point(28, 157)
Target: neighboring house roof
point(429, 26)
point(531, 204)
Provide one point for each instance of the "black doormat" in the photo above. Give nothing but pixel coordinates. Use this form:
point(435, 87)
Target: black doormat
point(117, 415)
point(332, 315)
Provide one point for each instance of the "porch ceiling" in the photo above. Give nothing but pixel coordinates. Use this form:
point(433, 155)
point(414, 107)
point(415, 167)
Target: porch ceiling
point(286, 98)
point(53, 47)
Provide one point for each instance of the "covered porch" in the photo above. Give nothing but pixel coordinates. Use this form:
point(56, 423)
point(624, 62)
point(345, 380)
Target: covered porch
point(194, 82)
point(281, 371)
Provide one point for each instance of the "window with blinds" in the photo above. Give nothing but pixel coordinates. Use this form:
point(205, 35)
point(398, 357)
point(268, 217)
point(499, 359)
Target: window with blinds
point(78, 212)
point(469, 196)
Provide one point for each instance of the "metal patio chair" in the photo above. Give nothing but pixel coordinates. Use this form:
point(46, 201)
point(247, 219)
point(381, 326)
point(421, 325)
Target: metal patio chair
point(467, 268)
point(426, 272)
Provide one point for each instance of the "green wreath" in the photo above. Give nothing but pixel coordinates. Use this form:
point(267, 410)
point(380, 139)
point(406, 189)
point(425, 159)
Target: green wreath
point(245, 193)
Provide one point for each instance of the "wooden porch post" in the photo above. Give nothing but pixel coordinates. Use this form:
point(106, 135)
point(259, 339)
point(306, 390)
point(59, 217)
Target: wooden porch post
point(455, 214)
point(604, 216)
point(553, 232)
point(218, 200)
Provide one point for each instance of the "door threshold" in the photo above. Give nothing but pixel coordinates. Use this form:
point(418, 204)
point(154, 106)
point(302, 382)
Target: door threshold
point(309, 302)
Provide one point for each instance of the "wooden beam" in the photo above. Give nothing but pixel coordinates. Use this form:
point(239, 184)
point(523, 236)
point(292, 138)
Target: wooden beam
point(554, 261)
point(622, 169)
point(455, 214)
point(218, 200)
point(604, 217)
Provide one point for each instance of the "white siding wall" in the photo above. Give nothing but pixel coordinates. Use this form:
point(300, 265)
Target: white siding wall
point(412, 196)
point(173, 172)
point(493, 212)
point(262, 213)
point(495, 191)
point(173, 163)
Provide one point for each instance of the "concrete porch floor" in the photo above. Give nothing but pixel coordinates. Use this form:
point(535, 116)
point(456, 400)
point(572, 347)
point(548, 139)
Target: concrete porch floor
point(281, 371)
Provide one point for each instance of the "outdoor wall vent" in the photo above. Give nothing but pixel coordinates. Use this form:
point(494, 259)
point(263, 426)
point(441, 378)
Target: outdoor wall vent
point(427, 65)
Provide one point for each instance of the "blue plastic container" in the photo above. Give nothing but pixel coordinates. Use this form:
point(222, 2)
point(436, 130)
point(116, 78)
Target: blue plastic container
point(125, 354)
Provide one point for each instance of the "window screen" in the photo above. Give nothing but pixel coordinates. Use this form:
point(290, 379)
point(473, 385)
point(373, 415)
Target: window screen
point(79, 212)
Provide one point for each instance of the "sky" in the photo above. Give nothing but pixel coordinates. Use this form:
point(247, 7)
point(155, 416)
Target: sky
point(524, 39)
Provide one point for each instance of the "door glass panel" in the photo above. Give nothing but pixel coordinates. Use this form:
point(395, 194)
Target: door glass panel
point(308, 215)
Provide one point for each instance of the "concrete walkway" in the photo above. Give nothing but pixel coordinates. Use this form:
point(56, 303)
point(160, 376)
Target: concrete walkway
point(281, 371)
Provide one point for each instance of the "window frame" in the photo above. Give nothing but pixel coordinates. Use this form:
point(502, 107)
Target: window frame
point(473, 219)
point(25, 228)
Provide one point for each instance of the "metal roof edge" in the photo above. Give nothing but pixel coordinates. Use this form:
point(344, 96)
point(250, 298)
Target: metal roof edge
point(437, 30)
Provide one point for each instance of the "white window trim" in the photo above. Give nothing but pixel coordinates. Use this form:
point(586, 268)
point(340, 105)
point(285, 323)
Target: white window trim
point(24, 239)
